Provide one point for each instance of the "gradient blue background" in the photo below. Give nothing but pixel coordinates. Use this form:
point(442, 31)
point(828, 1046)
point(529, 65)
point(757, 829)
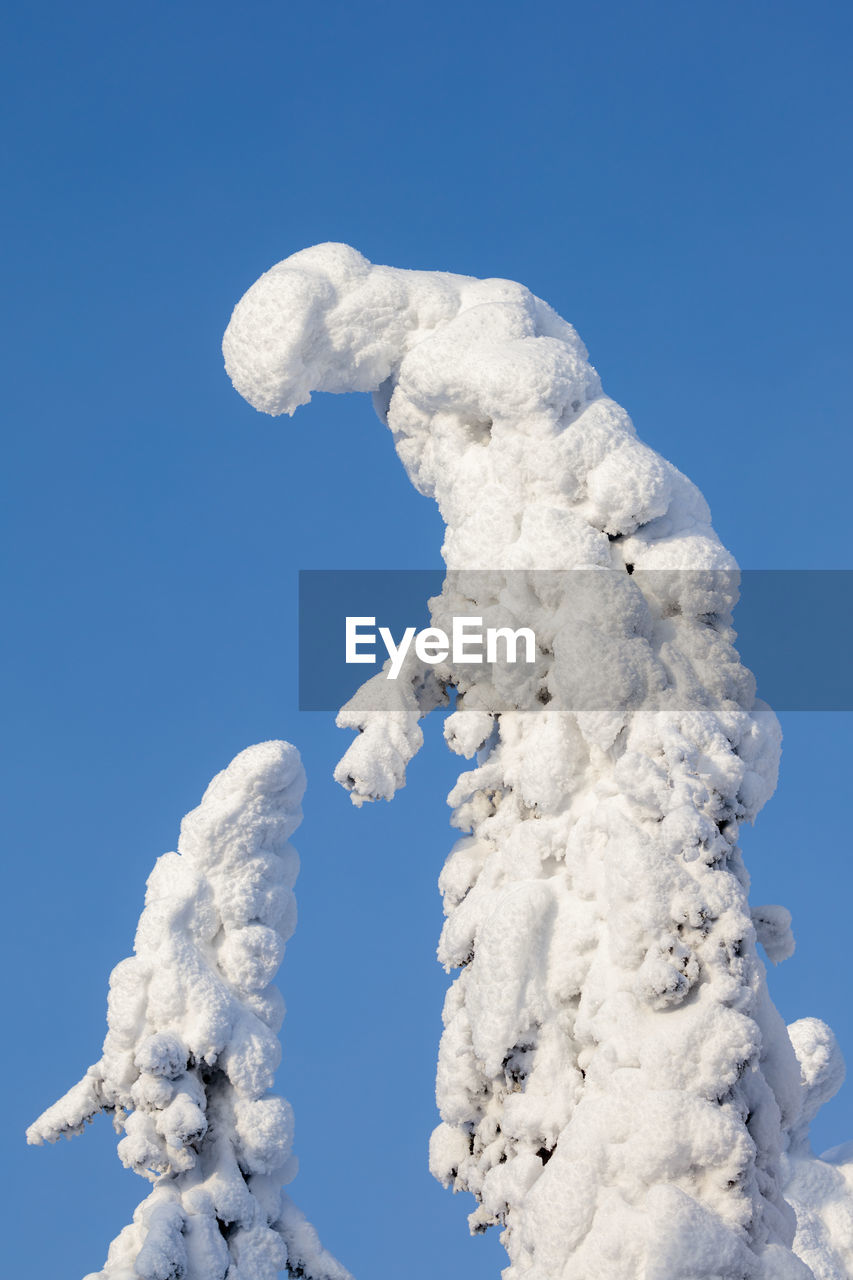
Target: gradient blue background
point(674, 179)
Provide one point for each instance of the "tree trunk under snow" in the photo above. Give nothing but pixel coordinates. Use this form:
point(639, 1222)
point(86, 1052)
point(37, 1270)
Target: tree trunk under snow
point(615, 1085)
point(192, 1048)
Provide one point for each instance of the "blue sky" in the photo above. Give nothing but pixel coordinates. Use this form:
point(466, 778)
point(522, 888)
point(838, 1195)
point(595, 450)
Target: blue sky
point(675, 180)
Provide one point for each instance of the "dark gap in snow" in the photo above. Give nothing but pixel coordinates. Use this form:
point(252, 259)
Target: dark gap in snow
point(479, 432)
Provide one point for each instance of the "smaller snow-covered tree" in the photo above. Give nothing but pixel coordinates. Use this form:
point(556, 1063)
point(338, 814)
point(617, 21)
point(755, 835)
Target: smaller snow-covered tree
point(192, 1048)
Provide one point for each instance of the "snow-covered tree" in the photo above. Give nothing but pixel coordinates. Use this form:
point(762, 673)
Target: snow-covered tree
point(615, 1086)
point(191, 1050)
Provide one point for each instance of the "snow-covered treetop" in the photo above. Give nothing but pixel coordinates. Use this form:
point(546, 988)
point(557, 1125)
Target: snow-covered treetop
point(484, 378)
point(192, 1047)
point(497, 413)
point(615, 1086)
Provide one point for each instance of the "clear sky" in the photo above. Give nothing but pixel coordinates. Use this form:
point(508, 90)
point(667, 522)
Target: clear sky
point(675, 180)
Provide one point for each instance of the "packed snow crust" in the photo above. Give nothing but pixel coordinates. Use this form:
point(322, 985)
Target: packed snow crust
point(615, 1086)
point(192, 1048)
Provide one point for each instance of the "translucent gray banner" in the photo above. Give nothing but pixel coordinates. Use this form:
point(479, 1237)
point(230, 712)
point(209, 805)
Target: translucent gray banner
point(601, 638)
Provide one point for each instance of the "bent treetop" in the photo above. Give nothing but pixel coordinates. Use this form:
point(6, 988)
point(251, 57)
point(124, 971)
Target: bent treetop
point(615, 1085)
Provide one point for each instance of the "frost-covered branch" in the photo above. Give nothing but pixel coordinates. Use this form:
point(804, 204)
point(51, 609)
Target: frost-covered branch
point(192, 1048)
point(615, 1085)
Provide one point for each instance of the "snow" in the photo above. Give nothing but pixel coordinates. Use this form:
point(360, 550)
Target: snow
point(615, 1086)
point(191, 1047)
